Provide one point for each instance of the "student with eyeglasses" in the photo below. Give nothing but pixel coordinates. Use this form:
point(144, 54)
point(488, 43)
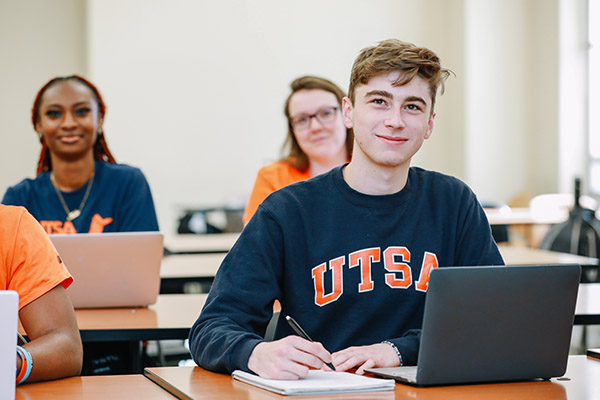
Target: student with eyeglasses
point(317, 139)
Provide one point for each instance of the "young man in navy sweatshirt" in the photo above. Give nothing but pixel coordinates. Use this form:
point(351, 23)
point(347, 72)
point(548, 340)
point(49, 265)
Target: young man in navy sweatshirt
point(348, 253)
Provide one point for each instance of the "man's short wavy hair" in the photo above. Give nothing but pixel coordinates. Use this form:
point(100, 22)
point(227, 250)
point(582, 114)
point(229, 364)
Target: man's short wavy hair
point(393, 55)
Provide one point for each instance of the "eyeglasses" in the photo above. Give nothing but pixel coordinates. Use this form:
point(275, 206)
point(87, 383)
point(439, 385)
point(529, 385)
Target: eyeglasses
point(324, 116)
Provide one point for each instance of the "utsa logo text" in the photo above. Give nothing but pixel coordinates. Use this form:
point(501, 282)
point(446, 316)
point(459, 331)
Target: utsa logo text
point(395, 262)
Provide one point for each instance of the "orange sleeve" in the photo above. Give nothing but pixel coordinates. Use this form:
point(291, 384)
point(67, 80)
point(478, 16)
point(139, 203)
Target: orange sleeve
point(269, 179)
point(32, 266)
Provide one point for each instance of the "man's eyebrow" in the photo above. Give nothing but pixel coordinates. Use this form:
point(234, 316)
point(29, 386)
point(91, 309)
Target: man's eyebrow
point(417, 99)
point(386, 94)
point(382, 93)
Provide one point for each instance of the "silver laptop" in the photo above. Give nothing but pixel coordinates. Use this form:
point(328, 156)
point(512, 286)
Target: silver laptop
point(112, 269)
point(9, 308)
point(492, 324)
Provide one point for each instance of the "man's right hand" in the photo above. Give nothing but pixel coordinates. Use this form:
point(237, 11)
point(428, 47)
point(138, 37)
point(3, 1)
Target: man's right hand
point(288, 358)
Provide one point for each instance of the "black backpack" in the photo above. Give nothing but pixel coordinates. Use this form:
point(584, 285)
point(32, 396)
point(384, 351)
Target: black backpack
point(579, 234)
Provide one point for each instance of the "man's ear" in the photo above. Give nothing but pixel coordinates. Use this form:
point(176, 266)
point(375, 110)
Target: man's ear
point(430, 126)
point(347, 112)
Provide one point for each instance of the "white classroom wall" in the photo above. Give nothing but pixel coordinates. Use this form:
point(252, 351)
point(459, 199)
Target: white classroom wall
point(38, 40)
point(195, 89)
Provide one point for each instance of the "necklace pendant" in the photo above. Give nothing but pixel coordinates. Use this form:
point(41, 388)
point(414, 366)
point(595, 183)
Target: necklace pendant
point(73, 214)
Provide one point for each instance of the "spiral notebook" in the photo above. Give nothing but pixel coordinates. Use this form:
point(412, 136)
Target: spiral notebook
point(318, 382)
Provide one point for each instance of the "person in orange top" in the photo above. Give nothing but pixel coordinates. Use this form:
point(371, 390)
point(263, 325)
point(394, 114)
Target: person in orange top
point(31, 266)
point(317, 139)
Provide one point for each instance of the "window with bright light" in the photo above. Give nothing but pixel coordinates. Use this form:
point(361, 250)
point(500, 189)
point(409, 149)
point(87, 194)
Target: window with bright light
point(594, 95)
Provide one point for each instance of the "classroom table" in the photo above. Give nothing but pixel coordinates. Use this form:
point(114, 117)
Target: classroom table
point(170, 318)
point(519, 255)
point(521, 216)
point(579, 382)
point(534, 223)
point(524, 225)
point(189, 273)
point(174, 314)
point(194, 273)
point(200, 244)
point(93, 387)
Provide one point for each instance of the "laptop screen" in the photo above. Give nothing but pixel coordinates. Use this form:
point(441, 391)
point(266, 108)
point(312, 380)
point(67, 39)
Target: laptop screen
point(9, 306)
point(497, 323)
point(112, 269)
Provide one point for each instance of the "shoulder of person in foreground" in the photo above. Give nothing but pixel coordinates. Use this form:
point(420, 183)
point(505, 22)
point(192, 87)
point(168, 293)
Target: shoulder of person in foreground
point(47, 316)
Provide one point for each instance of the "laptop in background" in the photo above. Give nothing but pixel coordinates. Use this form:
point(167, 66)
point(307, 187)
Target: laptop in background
point(493, 324)
point(9, 309)
point(119, 269)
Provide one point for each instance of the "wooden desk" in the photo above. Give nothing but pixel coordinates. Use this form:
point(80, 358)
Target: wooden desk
point(93, 387)
point(197, 383)
point(206, 265)
point(521, 216)
point(173, 315)
point(516, 255)
point(197, 244)
point(523, 224)
point(170, 318)
point(180, 270)
point(201, 255)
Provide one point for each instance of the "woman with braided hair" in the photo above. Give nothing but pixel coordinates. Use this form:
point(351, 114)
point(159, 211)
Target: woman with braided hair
point(79, 187)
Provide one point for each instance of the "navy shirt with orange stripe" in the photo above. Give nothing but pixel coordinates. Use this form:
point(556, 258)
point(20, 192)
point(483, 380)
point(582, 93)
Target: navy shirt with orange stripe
point(351, 268)
point(119, 201)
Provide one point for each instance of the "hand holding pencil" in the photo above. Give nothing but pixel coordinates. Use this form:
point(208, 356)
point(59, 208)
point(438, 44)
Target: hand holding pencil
point(288, 358)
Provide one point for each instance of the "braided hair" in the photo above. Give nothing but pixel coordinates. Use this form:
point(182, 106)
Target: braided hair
point(101, 151)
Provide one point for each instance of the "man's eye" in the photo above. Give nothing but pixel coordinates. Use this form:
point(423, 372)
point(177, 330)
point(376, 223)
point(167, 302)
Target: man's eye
point(379, 101)
point(326, 113)
point(413, 107)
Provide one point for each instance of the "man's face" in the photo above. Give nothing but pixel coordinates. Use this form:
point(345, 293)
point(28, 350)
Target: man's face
point(389, 122)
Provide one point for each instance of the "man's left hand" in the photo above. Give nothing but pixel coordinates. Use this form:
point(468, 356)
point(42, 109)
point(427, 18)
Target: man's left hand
point(377, 355)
